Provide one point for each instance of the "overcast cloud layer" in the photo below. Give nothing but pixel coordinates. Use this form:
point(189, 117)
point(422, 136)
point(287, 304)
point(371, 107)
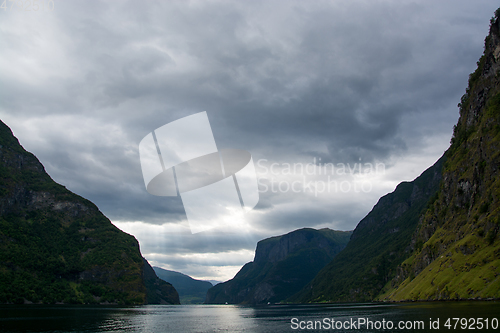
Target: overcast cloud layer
point(343, 82)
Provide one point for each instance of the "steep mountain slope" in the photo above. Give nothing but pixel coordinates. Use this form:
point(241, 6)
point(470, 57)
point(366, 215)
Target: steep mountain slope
point(456, 250)
point(191, 291)
point(377, 246)
point(281, 267)
point(158, 291)
point(443, 245)
point(56, 246)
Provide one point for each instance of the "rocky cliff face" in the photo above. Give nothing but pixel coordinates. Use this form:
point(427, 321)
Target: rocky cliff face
point(56, 246)
point(276, 249)
point(456, 251)
point(282, 266)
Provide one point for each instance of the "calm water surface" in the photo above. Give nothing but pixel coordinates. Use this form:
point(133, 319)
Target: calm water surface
point(230, 318)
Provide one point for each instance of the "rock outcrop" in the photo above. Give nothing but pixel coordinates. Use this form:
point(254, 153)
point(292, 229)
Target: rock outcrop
point(281, 267)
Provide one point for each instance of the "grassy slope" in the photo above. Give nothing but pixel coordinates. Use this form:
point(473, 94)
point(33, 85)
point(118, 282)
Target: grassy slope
point(458, 252)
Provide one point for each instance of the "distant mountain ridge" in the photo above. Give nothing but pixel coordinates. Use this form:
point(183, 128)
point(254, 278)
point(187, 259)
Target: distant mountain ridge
point(214, 282)
point(56, 246)
point(281, 267)
point(191, 291)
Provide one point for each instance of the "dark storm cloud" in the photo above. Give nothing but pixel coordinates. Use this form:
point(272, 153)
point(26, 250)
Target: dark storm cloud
point(288, 81)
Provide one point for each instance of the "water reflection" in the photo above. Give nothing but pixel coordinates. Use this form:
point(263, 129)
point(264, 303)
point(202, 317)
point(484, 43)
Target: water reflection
point(230, 318)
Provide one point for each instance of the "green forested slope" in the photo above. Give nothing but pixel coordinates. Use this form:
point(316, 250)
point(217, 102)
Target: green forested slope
point(56, 246)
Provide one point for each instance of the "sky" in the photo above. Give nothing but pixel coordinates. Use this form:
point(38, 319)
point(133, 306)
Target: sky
point(336, 101)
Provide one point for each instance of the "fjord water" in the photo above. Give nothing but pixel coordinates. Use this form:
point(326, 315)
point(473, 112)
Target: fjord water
point(231, 318)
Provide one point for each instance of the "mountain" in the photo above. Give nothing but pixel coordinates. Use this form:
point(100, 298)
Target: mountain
point(281, 267)
point(214, 282)
point(191, 291)
point(377, 246)
point(158, 291)
point(436, 237)
point(456, 249)
point(56, 246)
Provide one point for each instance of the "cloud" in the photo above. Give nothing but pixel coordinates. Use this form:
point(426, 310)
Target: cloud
point(289, 81)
